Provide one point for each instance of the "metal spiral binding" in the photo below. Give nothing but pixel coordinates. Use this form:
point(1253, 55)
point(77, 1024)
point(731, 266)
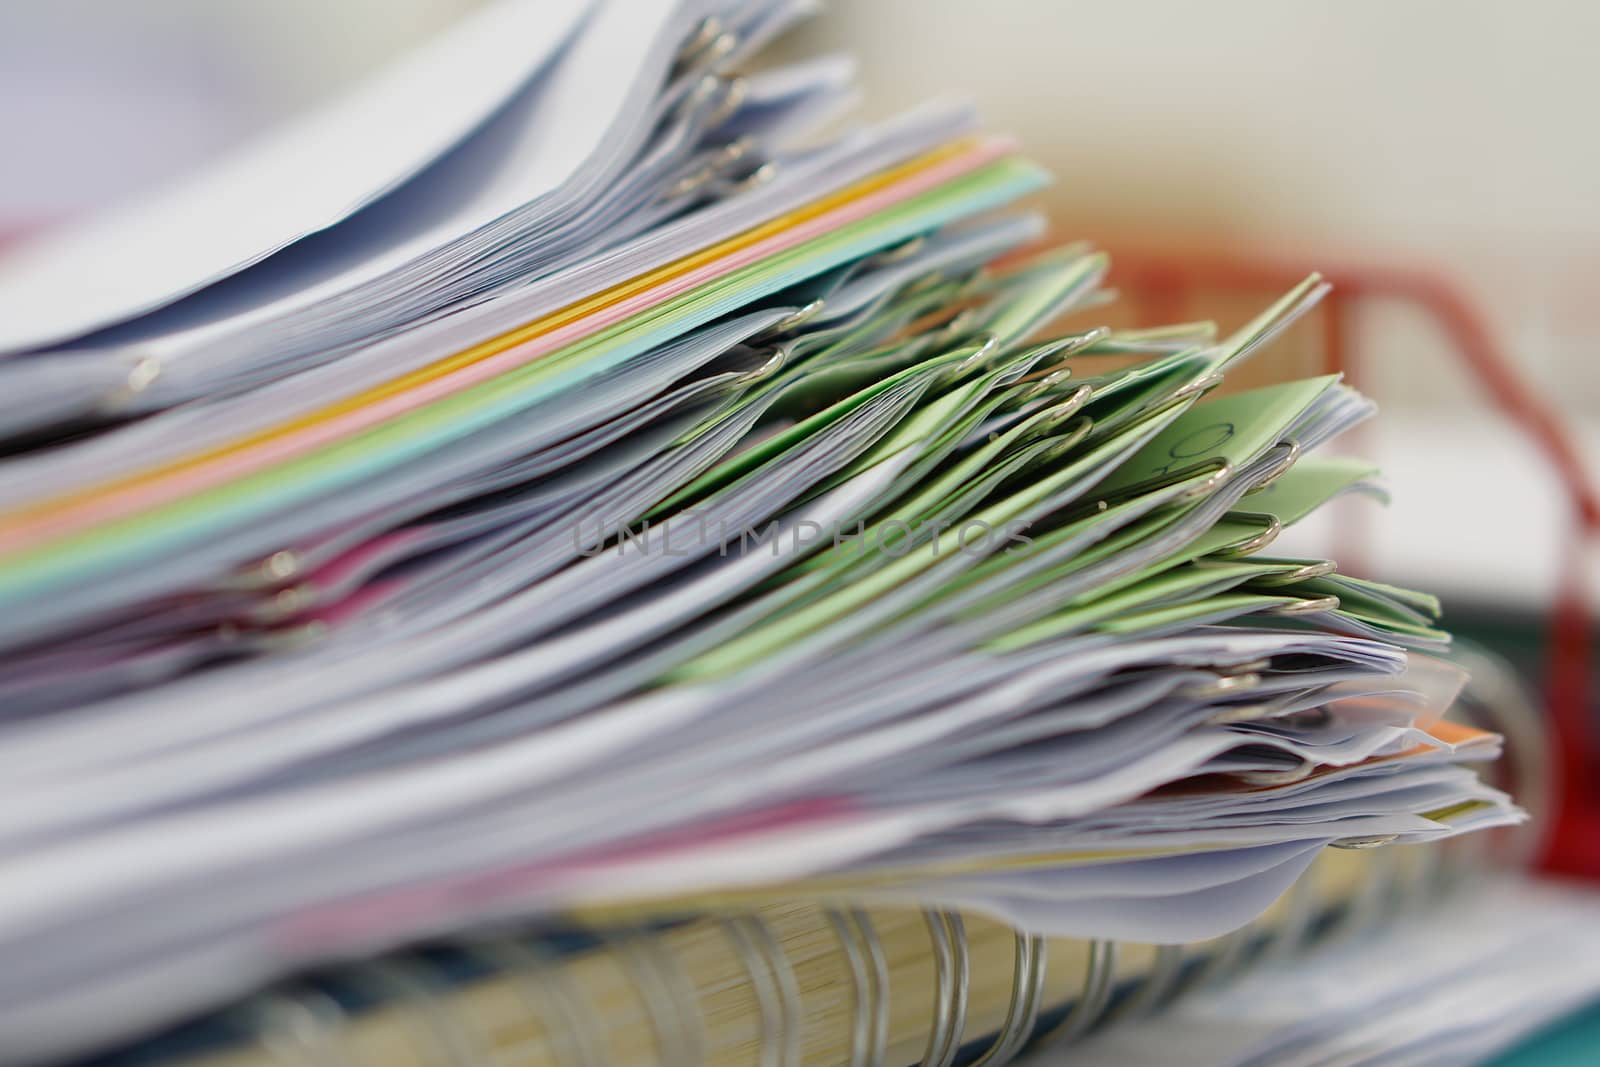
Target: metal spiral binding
point(455, 1042)
point(869, 976)
point(1155, 989)
point(777, 992)
point(1093, 998)
point(1293, 931)
point(668, 996)
point(1371, 901)
point(1225, 961)
point(1031, 959)
point(301, 1028)
point(543, 986)
point(951, 961)
point(1496, 700)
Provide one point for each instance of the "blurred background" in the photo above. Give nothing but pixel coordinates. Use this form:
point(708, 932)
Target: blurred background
point(1437, 159)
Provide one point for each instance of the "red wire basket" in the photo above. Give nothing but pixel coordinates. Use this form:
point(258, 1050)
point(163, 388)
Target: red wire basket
point(1160, 287)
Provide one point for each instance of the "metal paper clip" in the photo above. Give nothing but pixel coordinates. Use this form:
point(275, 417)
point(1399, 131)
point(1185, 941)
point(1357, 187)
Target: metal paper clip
point(1063, 348)
point(755, 179)
point(1031, 956)
point(143, 373)
point(708, 45)
point(1040, 386)
point(798, 317)
point(707, 172)
point(737, 90)
point(924, 282)
point(285, 603)
point(1060, 413)
point(1300, 574)
point(691, 182)
point(777, 992)
point(777, 357)
point(1198, 386)
point(1271, 528)
point(280, 566)
point(697, 97)
point(1236, 713)
point(1222, 471)
point(988, 344)
point(1291, 455)
point(1071, 436)
point(719, 49)
point(1222, 686)
point(1372, 841)
point(734, 151)
point(900, 252)
point(284, 638)
point(1299, 772)
point(869, 978)
point(703, 34)
point(951, 977)
point(958, 325)
point(1218, 478)
point(1310, 606)
point(264, 573)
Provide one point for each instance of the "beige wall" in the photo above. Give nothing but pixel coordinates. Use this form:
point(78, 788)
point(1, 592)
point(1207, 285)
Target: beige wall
point(1456, 134)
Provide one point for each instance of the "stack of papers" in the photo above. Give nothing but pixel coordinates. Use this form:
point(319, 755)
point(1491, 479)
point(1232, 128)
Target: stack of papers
point(617, 481)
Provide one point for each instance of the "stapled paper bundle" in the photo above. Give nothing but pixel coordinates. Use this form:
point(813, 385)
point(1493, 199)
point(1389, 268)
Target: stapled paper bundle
point(568, 482)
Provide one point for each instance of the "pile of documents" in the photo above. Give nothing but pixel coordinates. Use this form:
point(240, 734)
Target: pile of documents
point(565, 472)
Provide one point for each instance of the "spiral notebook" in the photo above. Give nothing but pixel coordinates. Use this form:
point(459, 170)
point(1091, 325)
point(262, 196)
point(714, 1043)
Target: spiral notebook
point(825, 981)
point(715, 540)
point(786, 982)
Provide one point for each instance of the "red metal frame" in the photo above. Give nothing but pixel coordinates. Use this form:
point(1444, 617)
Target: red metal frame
point(1159, 285)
